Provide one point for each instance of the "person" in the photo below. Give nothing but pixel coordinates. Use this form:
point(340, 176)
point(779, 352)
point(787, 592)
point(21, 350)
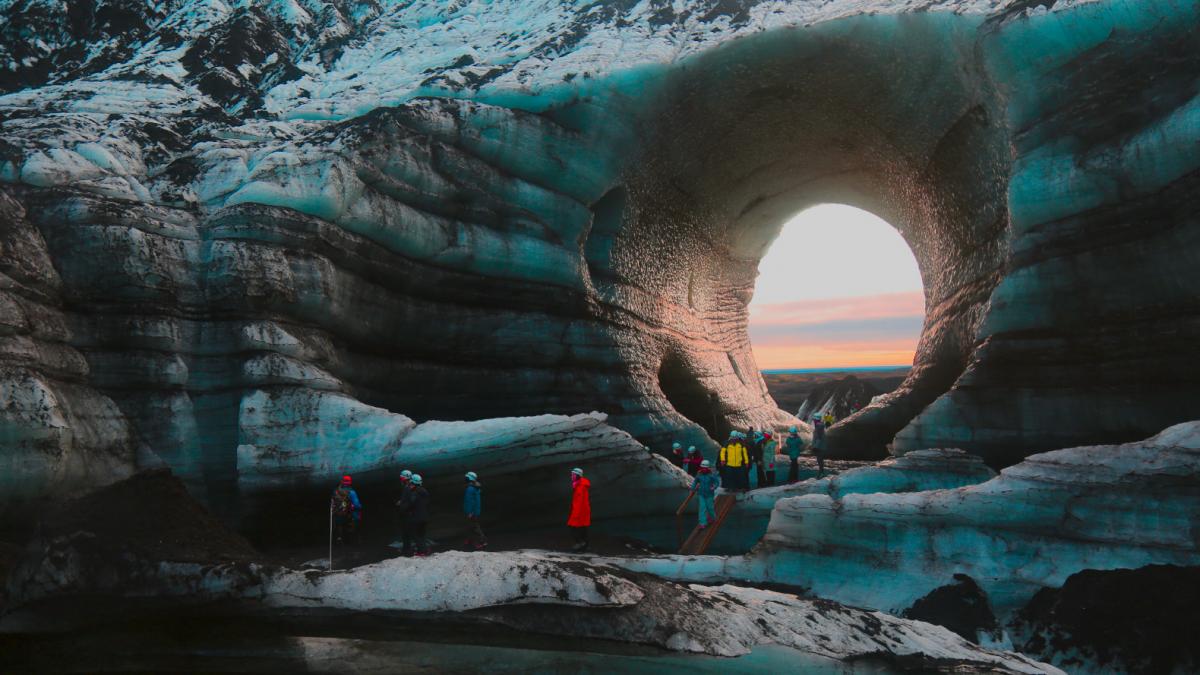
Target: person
point(473, 508)
point(677, 454)
point(735, 462)
point(793, 445)
point(769, 448)
point(705, 486)
point(418, 518)
point(403, 502)
point(828, 418)
point(756, 458)
point(347, 511)
point(693, 460)
point(818, 445)
point(819, 452)
point(581, 509)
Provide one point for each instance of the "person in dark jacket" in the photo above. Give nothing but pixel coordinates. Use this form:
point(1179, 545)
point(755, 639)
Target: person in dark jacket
point(755, 441)
point(793, 445)
point(403, 501)
point(473, 508)
point(677, 455)
point(818, 444)
point(417, 520)
point(347, 512)
point(692, 460)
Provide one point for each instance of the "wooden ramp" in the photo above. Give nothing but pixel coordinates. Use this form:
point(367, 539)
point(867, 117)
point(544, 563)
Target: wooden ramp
point(697, 543)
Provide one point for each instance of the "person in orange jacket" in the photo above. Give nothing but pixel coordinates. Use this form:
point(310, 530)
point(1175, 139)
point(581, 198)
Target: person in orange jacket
point(581, 509)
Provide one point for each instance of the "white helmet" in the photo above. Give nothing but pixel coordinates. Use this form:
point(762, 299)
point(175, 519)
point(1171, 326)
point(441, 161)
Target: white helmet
point(577, 471)
point(471, 476)
point(416, 479)
point(705, 464)
point(406, 474)
point(676, 445)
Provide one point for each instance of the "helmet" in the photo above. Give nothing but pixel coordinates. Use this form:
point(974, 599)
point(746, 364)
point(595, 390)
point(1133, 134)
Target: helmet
point(577, 471)
point(471, 476)
point(792, 429)
point(416, 479)
point(406, 474)
point(346, 480)
point(691, 448)
point(705, 464)
point(676, 446)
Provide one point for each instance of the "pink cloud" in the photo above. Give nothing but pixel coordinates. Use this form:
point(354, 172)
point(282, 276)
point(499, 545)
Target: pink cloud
point(808, 312)
point(875, 330)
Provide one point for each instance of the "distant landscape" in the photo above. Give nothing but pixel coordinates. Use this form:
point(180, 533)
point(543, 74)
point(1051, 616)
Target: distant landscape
point(792, 388)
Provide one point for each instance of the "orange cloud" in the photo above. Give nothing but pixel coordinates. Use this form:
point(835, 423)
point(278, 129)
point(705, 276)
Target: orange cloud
point(837, 355)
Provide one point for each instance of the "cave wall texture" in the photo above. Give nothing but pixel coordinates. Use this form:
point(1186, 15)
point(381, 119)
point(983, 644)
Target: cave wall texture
point(446, 211)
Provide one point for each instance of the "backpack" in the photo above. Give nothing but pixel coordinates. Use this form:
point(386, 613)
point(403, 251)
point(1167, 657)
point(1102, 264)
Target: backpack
point(341, 504)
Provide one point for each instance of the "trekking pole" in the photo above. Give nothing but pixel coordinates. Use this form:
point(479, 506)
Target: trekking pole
point(330, 568)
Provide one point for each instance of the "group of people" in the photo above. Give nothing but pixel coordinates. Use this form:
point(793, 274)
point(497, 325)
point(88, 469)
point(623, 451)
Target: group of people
point(743, 451)
point(690, 460)
point(346, 510)
point(754, 450)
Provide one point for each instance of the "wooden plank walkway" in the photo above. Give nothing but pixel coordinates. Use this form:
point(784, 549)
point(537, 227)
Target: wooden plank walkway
point(697, 543)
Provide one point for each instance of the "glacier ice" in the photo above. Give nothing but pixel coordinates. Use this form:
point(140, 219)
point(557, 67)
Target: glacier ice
point(477, 211)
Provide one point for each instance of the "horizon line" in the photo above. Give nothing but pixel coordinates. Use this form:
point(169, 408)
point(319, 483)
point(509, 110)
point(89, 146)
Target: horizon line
point(778, 371)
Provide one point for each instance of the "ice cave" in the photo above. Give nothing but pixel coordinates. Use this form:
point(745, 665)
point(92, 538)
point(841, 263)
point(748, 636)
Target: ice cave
point(249, 248)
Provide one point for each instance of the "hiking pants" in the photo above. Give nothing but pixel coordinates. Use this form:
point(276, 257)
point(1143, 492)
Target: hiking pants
point(708, 513)
point(414, 537)
point(475, 533)
point(760, 475)
point(794, 471)
point(344, 530)
point(580, 534)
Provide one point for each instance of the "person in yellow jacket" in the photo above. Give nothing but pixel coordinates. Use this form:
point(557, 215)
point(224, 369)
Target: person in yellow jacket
point(734, 463)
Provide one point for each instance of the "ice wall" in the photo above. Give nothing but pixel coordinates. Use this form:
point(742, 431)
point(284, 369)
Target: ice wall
point(452, 212)
point(1031, 527)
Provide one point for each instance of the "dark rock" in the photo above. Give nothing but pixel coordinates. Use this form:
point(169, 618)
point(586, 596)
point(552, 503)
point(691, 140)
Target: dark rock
point(1130, 620)
point(961, 606)
point(841, 397)
point(148, 516)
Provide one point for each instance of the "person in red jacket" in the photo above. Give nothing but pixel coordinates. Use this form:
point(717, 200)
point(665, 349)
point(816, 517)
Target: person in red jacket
point(581, 509)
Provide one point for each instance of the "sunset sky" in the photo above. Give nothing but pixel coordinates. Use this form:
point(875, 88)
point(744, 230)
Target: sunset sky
point(838, 288)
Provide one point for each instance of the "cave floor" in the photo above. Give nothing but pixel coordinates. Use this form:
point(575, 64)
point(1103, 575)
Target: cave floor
point(449, 534)
point(448, 531)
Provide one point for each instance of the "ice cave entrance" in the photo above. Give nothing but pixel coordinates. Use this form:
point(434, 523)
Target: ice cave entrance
point(838, 289)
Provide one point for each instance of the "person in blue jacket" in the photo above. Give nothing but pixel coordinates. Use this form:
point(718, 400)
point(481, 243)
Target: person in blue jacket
point(473, 507)
point(705, 486)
